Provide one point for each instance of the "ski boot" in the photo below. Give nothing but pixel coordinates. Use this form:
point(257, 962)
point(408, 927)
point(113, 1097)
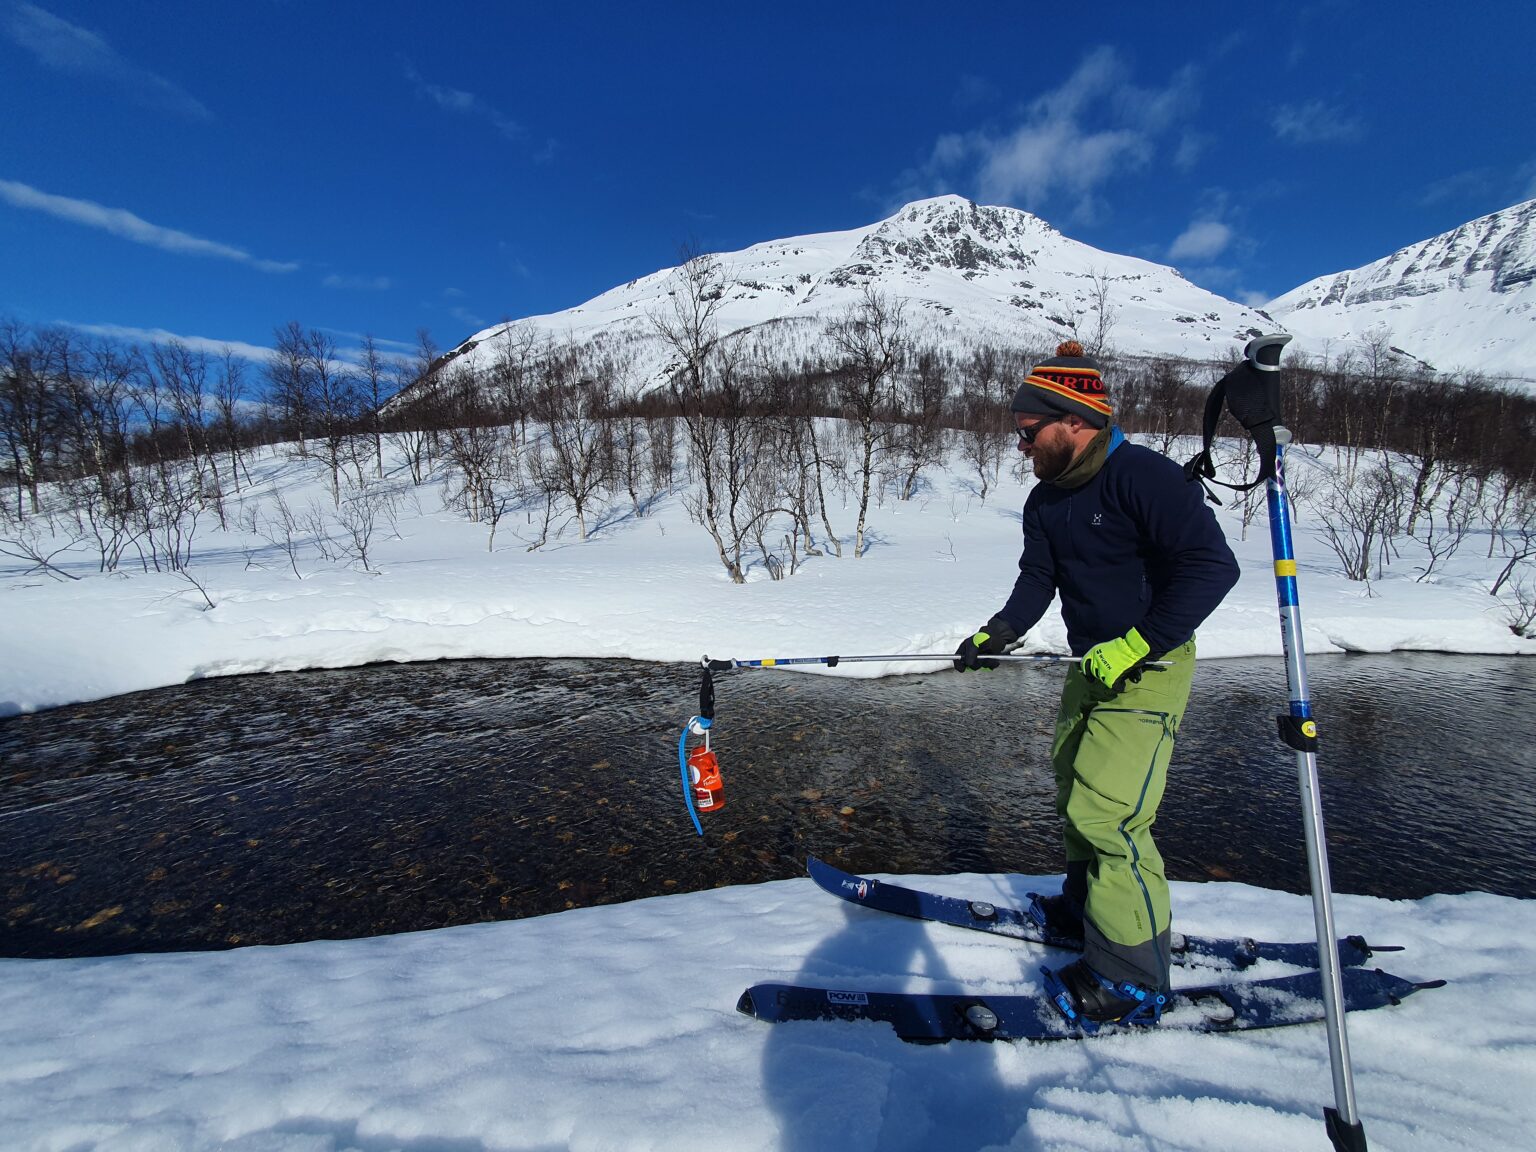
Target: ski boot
point(1089, 1000)
point(1059, 917)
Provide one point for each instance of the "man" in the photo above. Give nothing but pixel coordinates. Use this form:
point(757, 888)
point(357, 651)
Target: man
point(1139, 562)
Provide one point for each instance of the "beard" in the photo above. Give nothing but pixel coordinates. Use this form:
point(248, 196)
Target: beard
point(1052, 458)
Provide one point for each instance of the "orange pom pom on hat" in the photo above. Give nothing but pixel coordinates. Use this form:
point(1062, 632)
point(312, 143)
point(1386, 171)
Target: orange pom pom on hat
point(1068, 384)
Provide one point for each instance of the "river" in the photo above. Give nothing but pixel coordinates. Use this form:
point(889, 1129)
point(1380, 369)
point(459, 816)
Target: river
point(329, 804)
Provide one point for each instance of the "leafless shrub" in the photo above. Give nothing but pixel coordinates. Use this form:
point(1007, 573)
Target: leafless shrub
point(201, 589)
point(1520, 601)
point(24, 542)
point(363, 509)
point(869, 342)
point(1441, 524)
point(1516, 531)
point(1360, 518)
point(280, 528)
point(315, 523)
point(575, 455)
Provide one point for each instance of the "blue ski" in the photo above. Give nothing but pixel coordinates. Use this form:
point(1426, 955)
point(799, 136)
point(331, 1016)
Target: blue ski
point(923, 1017)
point(1017, 923)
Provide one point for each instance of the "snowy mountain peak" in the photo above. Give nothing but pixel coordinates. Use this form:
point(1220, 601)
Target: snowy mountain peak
point(954, 233)
point(964, 274)
point(955, 215)
point(1461, 300)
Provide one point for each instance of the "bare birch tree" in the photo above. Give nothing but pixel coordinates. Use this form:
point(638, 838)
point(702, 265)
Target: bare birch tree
point(869, 342)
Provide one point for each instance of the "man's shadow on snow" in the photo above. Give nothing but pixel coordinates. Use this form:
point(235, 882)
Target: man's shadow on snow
point(856, 1086)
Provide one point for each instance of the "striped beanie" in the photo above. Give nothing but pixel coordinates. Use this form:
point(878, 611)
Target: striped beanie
point(1068, 384)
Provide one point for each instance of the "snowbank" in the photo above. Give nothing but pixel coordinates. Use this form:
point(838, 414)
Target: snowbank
point(614, 1028)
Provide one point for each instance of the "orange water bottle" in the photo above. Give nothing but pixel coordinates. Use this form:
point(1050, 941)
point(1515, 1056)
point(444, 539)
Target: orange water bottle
point(704, 773)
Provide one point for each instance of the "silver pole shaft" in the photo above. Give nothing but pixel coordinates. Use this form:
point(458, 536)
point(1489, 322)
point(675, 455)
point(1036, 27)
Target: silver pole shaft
point(1322, 916)
point(898, 657)
point(1311, 792)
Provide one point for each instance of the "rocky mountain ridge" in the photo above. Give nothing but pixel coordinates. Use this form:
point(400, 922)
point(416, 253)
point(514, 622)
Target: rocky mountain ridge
point(1461, 301)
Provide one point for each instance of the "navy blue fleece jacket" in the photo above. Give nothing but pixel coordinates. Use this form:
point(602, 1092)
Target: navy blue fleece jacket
point(1134, 547)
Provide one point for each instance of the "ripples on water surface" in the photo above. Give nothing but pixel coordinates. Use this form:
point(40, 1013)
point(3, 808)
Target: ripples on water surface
point(268, 809)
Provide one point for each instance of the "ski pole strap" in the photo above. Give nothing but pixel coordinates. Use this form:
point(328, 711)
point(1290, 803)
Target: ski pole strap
point(707, 689)
point(1251, 392)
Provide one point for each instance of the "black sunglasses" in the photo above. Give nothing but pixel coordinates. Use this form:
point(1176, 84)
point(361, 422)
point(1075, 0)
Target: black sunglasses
point(1027, 435)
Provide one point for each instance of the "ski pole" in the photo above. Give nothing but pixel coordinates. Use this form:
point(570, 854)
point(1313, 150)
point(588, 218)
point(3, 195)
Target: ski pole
point(1251, 392)
point(700, 768)
point(1299, 731)
point(834, 661)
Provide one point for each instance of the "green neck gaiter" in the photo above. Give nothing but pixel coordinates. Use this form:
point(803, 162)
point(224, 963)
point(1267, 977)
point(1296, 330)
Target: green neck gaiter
point(1087, 464)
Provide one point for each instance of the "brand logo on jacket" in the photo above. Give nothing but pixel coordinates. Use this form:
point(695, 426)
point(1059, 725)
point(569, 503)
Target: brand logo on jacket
point(1098, 518)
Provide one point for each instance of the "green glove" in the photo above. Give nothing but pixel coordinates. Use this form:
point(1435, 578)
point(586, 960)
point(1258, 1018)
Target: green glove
point(1114, 661)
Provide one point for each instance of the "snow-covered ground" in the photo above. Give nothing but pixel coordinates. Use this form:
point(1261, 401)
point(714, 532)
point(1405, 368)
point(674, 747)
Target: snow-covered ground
point(614, 1028)
point(641, 588)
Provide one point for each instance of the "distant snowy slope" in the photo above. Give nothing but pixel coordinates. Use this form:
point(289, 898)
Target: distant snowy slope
point(1465, 299)
point(964, 273)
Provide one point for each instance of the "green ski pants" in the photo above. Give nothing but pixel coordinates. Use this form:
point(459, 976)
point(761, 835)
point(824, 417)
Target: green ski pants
point(1110, 758)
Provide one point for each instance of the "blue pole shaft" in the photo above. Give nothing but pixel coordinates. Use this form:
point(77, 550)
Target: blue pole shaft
point(1302, 733)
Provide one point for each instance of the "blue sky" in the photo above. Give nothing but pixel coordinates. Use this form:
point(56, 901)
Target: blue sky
point(214, 170)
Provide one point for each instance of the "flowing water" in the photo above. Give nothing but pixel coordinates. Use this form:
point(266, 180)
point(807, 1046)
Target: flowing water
point(270, 809)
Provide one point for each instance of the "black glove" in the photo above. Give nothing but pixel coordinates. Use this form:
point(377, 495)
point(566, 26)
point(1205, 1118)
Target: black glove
point(994, 638)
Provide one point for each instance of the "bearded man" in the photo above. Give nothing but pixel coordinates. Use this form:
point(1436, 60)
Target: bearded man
point(1128, 543)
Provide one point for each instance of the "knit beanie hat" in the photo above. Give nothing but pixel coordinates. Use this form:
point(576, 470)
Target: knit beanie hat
point(1068, 384)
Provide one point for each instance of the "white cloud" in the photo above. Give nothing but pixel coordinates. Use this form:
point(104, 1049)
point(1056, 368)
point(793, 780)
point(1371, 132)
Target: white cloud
point(1475, 187)
point(1314, 123)
point(974, 90)
point(1457, 186)
point(1202, 240)
point(465, 316)
point(378, 341)
point(359, 283)
point(161, 336)
point(126, 225)
point(1229, 281)
point(463, 104)
point(66, 47)
point(1071, 141)
point(1192, 145)
point(256, 353)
